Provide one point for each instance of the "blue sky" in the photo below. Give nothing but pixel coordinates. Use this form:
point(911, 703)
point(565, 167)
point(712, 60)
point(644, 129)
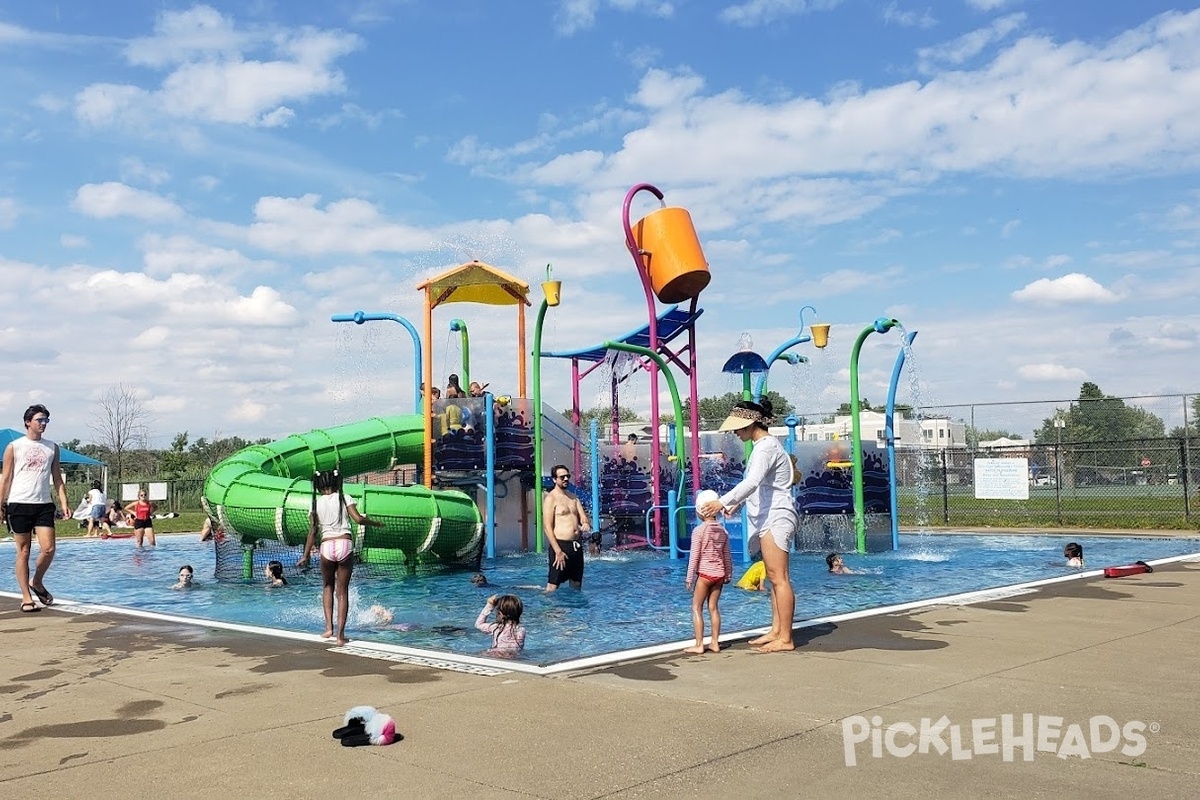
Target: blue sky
point(187, 192)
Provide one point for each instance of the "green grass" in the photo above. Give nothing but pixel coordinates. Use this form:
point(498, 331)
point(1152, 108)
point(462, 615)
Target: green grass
point(1133, 507)
point(186, 522)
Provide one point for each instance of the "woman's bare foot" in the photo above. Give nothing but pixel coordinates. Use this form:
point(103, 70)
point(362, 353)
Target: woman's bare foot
point(714, 648)
point(328, 634)
point(776, 647)
point(761, 640)
point(695, 650)
point(342, 642)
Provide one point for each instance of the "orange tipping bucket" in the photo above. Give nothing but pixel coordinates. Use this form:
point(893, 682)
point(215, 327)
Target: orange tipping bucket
point(671, 254)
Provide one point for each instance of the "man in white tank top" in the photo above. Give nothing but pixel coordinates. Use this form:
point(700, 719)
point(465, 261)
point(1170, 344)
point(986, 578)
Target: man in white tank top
point(31, 466)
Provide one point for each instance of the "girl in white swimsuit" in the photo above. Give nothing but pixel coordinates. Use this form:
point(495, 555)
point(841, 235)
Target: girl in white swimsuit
point(331, 515)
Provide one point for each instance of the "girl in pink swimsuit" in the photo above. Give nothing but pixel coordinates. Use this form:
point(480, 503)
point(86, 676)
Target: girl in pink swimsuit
point(331, 515)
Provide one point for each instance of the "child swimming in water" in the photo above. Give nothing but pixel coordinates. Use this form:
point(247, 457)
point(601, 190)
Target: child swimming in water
point(1073, 552)
point(836, 567)
point(185, 578)
point(274, 573)
point(507, 632)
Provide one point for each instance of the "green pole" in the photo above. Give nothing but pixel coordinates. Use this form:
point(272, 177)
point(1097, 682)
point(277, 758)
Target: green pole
point(666, 371)
point(537, 421)
point(881, 325)
point(465, 339)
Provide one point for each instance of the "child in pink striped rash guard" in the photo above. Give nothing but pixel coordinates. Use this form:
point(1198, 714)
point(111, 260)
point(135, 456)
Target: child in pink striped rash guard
point(710, 567)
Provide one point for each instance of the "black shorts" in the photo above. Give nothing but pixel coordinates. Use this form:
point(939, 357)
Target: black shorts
point(24, 517)
point(573, 569)
point(138, 524)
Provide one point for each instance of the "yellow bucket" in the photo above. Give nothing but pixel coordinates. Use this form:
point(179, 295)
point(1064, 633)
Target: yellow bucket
point(553, 292)
point(671, 254)
point(820, 334)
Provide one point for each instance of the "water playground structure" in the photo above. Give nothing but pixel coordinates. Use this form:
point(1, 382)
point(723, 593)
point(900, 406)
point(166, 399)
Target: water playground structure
point(480, 462)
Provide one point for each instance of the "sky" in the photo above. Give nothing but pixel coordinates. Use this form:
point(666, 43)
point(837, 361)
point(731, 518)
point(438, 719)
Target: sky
point(188, 192)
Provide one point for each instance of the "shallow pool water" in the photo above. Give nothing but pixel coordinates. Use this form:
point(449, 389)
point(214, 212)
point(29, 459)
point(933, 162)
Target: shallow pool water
point(629, 600)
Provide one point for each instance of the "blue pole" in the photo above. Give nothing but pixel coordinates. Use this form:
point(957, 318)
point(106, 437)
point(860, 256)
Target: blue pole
point(359, 317)
point(490, 444)
point(673, 522)
point(594, 440)
point(890, 436)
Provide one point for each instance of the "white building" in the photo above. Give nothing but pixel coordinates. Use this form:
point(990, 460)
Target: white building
point(932, 433)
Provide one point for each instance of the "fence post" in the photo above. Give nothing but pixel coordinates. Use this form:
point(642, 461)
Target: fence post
point(945, 491)
point(1058, 479)
point(1183, 476)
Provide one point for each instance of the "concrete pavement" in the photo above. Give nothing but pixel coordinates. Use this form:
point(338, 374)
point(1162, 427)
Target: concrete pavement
point(100, 705)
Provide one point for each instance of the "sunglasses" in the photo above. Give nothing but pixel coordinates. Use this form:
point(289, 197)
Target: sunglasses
point(41, 420)
point(562, 476)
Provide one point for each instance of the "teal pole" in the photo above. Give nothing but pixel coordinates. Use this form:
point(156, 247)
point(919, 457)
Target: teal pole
point(457, 325)
point(881, 325)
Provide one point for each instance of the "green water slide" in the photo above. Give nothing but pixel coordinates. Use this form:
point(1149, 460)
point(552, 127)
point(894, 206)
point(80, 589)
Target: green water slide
point(264, 492)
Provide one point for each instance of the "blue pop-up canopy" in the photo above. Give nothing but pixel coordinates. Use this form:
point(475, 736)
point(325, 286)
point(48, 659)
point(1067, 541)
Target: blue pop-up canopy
point(65, 456)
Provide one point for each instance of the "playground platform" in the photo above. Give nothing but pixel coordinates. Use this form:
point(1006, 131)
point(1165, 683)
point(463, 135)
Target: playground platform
point(104, 706)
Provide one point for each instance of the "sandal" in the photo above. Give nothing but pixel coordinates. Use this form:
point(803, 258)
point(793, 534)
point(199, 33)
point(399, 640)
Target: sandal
point(43, 595)
point(29, 608)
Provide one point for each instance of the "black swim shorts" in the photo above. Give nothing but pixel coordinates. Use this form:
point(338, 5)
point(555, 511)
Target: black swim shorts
point(24, 517)
point(573, 569)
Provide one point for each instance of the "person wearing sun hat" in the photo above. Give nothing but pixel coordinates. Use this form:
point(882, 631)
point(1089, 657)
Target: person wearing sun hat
point(765, 488)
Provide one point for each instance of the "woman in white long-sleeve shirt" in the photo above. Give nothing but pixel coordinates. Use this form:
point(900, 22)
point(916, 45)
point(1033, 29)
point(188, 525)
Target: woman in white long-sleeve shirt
point(766, 489)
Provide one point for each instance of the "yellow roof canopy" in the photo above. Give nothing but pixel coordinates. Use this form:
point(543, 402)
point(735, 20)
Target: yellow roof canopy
point(476, 282)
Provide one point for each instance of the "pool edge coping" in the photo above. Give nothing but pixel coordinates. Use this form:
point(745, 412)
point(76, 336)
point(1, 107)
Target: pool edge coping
point(494, 666)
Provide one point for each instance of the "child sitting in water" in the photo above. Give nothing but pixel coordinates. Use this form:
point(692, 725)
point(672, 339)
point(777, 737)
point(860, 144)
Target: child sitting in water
point(836, 567)
point(595, 543)
point(507, 632)
point(754, 579)
point(274, 573)
point(1073, 552)
point(185, 578)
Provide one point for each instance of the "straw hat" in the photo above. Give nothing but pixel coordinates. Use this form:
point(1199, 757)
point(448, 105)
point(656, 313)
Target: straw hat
point(741, 417)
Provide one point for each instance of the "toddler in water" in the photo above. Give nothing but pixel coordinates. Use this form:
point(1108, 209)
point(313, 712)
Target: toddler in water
point(709, 568)
point(508, 634)
point(836, 567)
point(185, 578)
point(274, 573)
point(1073, 552)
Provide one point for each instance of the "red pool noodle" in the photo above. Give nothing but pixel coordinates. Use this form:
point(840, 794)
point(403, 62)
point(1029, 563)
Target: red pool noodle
point(1128, 569)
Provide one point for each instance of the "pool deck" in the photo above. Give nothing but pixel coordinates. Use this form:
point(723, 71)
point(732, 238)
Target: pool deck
point(102, 705)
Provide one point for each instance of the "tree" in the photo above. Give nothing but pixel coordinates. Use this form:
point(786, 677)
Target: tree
point(714, 410)
point(844, 409)
point(120, 424)
point(975, 435)
point(1097, 417)
point(603, 414)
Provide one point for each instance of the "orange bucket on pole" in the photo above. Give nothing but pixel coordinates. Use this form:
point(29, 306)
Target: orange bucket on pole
point(671, 254)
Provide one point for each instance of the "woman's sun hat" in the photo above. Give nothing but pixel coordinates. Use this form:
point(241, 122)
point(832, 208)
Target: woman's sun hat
point(741, 417)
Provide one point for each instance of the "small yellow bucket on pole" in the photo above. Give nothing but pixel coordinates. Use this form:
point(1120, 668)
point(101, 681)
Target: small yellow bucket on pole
point(671, 254)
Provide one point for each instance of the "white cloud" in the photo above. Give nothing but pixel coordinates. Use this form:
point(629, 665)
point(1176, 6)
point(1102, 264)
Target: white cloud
point(211, 79)
point(297, 225)
point(763, 12)
point(134, 170)
point(573, 16)
point(1009, 228)
point(166, 255)
point(1051, 373)
point(73, 241)
point(893, 15)
point(1073, 288)
point(8, 212)
point(969, 45)
point(113, 199)
point(987, 5)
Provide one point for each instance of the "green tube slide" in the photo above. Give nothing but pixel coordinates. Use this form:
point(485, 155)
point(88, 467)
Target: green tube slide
point(264, 492)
